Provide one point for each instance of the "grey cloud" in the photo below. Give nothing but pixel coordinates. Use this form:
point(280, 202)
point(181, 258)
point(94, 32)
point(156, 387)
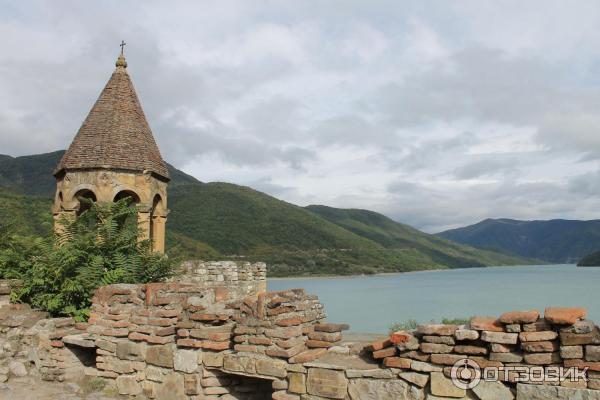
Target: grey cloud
point(489, 165)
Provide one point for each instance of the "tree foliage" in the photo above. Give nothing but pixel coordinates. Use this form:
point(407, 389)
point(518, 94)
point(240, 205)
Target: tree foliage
point(100, 247)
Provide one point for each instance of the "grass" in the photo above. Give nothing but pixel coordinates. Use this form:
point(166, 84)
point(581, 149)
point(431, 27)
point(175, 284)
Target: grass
point(412, 324)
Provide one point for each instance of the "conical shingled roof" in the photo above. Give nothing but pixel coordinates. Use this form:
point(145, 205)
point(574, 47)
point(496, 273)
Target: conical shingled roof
point(115, 134)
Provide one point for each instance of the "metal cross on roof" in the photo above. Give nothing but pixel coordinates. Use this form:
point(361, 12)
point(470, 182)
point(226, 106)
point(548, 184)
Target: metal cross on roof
point(122, 46)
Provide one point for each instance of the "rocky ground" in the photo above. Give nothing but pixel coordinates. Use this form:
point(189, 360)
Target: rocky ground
point(31, 388)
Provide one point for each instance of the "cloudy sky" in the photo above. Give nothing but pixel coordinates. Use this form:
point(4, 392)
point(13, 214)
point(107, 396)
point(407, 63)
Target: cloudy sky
point(436, 113)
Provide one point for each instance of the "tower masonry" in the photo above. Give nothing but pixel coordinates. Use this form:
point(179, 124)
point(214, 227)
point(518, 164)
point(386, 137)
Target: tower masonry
point(114, 156)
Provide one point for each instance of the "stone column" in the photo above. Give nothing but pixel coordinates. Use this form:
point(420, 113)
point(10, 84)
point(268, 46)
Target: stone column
point(144, 224)
point(159, 223)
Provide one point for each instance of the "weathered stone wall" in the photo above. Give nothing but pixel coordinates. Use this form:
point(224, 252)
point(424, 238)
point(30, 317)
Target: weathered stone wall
point(191, 341)
point(239, 277)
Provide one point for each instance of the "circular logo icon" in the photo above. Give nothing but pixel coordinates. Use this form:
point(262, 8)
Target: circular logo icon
point(465, 374)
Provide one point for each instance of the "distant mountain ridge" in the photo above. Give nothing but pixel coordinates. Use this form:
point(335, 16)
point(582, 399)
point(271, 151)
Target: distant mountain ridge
point(221, 220)
point(32, 175)
point(556, 241)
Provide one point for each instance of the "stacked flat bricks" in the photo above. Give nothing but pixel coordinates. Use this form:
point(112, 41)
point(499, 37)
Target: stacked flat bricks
point(187, 341)
point(192, 341)
point(563, 337)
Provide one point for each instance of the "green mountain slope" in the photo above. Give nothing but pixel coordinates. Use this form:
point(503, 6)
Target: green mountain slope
point(591, 260)
point(27, 215)
point(237, 220)
point(557, 241)
point(220, 220)
point(394, 235)
point(33, 174)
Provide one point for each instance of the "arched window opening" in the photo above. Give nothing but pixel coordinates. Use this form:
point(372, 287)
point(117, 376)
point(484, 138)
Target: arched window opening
point(85, 197)
point(127, 194)
point(157, 223)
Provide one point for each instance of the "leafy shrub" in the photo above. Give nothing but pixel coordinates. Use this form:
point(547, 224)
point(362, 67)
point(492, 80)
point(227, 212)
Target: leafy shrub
point(100, 247)
point(404, 326)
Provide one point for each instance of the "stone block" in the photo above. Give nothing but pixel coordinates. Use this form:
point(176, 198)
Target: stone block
point(397, 362)
point(571, 351)
point(415, 378)
point(469, 349)
point(493, 391)
point(542, 358)
point(466, 334)
point(271, 367)
point(537, 336)
point(435, 348)
point(382, 389)
point(442, 386)
point(592, 353)
point(297, 382)
point(128, 385)
point(421, 366)
point(213, 359)
point(540, 347)
point(540, 325)
point(325, 336)
point(172, 388)
point(185, 361)
point(127, 350)
point(448, 340)
point(499, 337)
point(307, 356)
point(238, 363)
point(506, 357)
point(437, 329)
point(160, 355)
point(327, 383)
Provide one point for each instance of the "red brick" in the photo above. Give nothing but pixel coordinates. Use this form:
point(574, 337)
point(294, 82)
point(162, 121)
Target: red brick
point(380, 344)
point(289, 322)
point(307, 356)
point(138, 336)
point(563, 315)
point(486, 324)
point(400, 337)
point(397, 362)
point(520, 317)
point(319, 344)
point(329, 327)
point(389, 352)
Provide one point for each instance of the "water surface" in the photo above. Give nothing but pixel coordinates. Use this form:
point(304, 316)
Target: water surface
point(373, 303)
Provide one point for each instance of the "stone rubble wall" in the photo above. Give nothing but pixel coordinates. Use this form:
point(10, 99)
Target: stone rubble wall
point(187, 341)
point(241, 278)
point(30, 342)
point(561, 338)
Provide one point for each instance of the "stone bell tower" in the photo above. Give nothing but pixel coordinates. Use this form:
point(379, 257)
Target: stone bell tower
point(114, 156)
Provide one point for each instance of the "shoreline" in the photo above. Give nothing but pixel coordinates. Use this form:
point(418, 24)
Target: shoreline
point(311, 277)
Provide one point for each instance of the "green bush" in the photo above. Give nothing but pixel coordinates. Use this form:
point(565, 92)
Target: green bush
point(100, 247)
